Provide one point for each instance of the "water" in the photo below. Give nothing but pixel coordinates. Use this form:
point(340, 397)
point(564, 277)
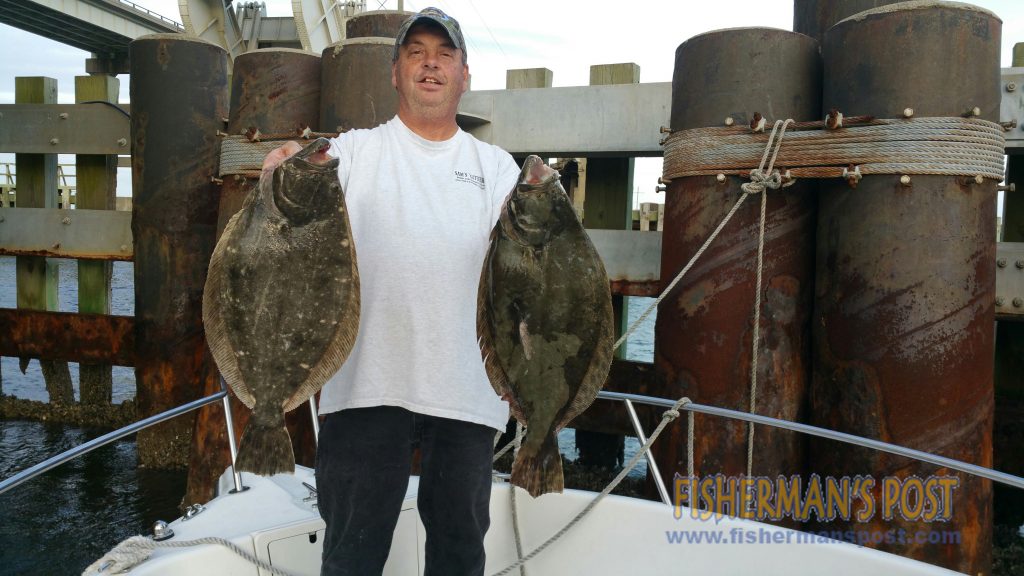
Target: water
point(65, 519)
point(122, 302)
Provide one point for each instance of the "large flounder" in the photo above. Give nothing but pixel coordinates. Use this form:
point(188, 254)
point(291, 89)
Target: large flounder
point(544, 319)
point(281, 302)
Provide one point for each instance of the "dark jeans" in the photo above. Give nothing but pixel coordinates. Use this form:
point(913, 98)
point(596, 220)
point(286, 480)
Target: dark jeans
point(362, 471)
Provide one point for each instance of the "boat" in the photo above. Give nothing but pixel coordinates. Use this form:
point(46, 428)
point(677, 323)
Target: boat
point(270, 525)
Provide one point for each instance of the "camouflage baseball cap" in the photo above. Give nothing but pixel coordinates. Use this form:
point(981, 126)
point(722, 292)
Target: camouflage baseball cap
point(450, 25)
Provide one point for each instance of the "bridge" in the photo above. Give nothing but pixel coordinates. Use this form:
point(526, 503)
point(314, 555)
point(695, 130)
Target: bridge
point(103, 27)
point(106, 27)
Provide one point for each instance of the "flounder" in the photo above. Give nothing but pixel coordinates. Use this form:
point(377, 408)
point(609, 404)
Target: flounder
point(281, 301)
point(544, 320)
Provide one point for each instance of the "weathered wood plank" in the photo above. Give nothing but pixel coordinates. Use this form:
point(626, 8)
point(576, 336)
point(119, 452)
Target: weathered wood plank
point(96, 187)
point(38, 127)
point(83, 234)
point(37, 278)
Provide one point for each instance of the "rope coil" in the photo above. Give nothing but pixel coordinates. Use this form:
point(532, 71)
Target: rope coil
point(942, 146)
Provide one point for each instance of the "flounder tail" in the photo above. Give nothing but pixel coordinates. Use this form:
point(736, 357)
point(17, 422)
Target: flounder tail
point(265, 450)
point(539, 473)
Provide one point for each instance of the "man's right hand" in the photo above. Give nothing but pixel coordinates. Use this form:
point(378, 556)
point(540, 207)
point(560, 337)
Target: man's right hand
point(280, 154)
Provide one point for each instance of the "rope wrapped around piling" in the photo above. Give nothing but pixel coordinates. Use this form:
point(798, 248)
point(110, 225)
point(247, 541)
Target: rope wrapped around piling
point(944, 146)
point(243, 155)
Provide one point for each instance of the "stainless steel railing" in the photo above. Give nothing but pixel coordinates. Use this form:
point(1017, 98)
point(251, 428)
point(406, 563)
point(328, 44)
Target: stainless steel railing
point(68, 455)
point(627, 399)
point(994, 475)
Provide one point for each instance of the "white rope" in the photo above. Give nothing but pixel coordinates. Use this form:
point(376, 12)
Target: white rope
point(756, 337)
point(137, 549)
point(762, 178)
point(689, 444)
point(668, 416)
point(518, 441)
point(503, 450)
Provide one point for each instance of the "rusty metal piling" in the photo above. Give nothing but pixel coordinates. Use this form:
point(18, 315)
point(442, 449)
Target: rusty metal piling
point(356, 89)
point(814, 17)
point(275, 92)
point(905, 273)
point(179, 97)
point(703, 333)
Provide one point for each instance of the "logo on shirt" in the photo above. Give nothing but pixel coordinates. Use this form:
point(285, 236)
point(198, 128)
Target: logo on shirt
point(468, 178)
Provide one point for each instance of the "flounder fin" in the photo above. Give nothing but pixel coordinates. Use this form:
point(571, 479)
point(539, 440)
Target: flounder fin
point(539, 473)
point(213, 316)
point(265, 449)
point(495, 373)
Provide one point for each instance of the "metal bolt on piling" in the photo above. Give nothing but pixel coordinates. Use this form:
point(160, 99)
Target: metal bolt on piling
point(758, 122)
point(1001, 262)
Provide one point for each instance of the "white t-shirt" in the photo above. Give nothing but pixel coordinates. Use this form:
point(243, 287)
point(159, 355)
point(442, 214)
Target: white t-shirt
point(421, 215)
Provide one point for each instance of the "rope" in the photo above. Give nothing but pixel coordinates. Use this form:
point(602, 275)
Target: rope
point(756, 338)
point(243, 154)
point(689, 444)
point(518, 441)
point(942, 146)
point(762, 178)
point(669, 415)
point(137, 549)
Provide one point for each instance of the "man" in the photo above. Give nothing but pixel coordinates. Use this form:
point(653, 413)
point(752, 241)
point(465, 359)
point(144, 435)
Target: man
point(422, 196)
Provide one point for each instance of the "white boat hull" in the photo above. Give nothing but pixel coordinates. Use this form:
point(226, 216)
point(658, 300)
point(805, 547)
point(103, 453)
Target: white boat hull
point(276, 521)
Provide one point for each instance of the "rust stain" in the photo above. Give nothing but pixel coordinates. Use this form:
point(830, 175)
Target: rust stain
point(88, 338)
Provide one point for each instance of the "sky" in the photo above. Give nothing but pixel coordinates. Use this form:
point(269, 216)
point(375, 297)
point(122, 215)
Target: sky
point(565, 37)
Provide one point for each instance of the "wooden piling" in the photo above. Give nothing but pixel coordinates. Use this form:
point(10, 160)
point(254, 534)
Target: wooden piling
point(608, 204)
point(37, 277)
point(277, 91)
point(179, 96)
point(96, 183)
point(905, 277)
point(528, 78)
